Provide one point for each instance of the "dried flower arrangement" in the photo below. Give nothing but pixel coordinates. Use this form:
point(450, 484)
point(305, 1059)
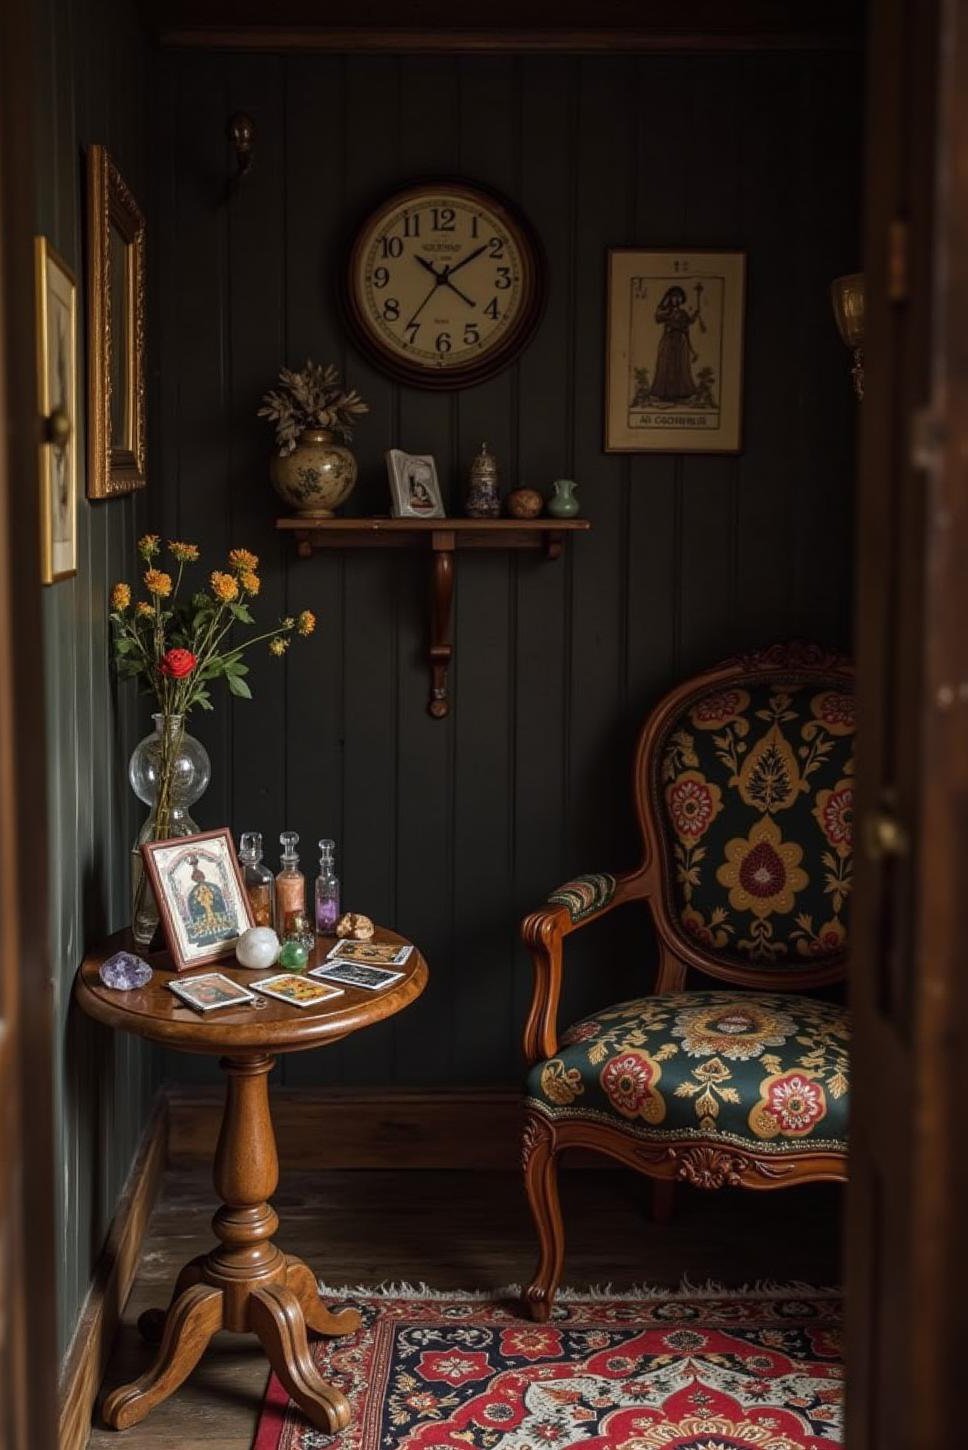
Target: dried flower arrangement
point(311, 398)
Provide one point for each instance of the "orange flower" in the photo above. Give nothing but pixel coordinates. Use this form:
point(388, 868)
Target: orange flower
point(157, 582)
point(278, 646)
point(306, 622)
point(120, 596)
point(144, 611)
point(184, 553)
point(224, 587)
point(250, 582)
point(148, 546)
point(243, 560)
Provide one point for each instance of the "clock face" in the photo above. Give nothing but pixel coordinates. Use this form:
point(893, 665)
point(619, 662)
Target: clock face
point(444, 284)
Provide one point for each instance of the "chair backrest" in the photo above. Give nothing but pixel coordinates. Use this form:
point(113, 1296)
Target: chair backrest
point(744, 782)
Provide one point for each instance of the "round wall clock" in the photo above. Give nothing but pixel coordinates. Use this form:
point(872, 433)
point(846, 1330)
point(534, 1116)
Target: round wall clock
point(446, 284)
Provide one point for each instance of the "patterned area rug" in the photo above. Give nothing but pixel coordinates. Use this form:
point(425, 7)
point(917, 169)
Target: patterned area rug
point(693, 1370)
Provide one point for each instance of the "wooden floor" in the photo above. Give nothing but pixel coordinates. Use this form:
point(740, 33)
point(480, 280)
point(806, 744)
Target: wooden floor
point(454, 1231)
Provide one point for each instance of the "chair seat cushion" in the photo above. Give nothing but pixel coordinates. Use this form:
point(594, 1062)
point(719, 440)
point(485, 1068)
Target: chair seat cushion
point(767, 1073)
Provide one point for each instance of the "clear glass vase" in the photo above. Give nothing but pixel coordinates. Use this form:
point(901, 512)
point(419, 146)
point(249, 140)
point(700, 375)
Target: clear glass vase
point(168, 771)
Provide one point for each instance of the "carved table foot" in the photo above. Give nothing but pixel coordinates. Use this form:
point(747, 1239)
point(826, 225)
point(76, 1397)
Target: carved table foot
point(302, 1281)
point(151, 1324)
point(194, 1317)
point(276, 1316)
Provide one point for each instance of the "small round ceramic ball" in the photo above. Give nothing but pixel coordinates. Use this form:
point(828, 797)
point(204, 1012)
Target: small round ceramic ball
point(525, 503)
point(257, 948)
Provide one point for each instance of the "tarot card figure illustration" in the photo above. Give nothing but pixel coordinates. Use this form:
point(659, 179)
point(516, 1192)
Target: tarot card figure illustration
point(675, 354)
point(199, 885)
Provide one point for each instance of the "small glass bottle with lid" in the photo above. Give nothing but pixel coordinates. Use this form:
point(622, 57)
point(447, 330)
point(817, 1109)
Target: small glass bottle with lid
point(290, 885)
point(327, 890)
point(259, 884)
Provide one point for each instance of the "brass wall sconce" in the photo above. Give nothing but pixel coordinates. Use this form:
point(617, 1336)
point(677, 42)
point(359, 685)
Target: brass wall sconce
point(847, 298)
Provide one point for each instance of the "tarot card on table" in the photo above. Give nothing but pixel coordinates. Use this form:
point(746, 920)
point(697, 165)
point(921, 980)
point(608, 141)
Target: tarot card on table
point(209, 991)
point(356, 974)
point(370, 953)
point(297, 991)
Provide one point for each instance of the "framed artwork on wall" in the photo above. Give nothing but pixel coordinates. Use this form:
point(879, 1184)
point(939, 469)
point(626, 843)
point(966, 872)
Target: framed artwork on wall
point(56, 315)
point(414, 490)
point(674, 351)
point(116, 331)
point(201, 896)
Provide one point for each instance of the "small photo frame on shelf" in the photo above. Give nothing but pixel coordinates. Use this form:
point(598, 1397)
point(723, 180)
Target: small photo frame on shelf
point(414, 490)
point(674, 351)
point(201, 896)
point(56, 312)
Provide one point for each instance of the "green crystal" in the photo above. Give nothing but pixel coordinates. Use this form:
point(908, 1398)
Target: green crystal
point(293, 956)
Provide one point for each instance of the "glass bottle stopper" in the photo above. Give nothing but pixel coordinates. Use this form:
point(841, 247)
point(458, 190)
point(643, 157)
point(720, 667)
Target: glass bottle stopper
point(250, 846)
point(326, 850)
point(289, 840)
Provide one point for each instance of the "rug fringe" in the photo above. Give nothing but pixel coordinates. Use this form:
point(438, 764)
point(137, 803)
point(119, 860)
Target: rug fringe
point(709, 1289)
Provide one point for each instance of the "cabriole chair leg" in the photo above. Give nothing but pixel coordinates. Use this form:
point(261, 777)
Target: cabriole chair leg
point(541, 1183)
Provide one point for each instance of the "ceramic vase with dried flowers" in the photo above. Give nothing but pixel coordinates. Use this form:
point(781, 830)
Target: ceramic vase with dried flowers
point(312, 470)
point(177, 647)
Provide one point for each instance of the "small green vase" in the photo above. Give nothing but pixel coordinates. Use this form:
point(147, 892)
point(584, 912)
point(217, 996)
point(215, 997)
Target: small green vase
point(563, 504)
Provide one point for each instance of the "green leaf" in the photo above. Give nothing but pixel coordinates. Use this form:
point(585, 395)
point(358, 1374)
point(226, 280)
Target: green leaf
point(241, 613)
point(238, 687)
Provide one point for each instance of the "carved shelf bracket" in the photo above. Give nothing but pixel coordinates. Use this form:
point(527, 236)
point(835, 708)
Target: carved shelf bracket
point(442, 538)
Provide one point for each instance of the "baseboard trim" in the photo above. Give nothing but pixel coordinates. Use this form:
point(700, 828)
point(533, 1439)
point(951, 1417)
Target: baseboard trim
point(460, 1128)
point(90, 1348)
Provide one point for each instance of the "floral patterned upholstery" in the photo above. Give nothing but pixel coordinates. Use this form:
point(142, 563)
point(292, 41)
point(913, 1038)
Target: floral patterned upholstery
point(585, 895)
point(755, 786)
point(765, 1073)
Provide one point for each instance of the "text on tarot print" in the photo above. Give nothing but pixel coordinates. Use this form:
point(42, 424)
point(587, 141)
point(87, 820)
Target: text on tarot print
point(675, 351)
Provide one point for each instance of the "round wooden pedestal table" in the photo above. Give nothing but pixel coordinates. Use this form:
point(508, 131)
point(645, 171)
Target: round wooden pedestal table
point(245, 1283)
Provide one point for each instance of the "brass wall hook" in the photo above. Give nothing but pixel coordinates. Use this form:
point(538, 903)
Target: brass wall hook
point(242, 135)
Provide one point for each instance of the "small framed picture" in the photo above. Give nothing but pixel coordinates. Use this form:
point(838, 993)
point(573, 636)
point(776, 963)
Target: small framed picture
point(674, 351)
point(201, 897)
point(56, 310)
point(210, 991)
point(370, 953)
point(414, 490)
point(297, 991)
point(355, 974)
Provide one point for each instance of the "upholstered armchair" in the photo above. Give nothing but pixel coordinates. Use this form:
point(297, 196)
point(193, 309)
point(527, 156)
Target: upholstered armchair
point(743, 783)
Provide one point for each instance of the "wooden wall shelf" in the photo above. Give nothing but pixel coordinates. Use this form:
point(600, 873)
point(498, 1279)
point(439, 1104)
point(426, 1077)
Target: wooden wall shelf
point(441, 538)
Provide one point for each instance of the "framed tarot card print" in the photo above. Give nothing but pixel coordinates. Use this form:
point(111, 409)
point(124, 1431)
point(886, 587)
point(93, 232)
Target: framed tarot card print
point(201, 896)
point(674, 351)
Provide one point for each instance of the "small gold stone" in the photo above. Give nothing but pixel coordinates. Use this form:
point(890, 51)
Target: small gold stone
point(354, 926)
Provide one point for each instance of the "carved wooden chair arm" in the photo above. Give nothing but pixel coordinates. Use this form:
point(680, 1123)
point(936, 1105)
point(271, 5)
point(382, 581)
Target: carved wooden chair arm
point(570, 907)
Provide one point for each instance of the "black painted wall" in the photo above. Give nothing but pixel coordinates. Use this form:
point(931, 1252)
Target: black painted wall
point(450, 831)
point(91, 70)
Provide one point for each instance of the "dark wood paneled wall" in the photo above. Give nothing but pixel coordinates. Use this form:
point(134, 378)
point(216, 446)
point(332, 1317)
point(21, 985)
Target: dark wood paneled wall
point(451, 830)
point(91, 73)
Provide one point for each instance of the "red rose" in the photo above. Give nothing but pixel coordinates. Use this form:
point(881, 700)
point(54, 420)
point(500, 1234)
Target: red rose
point(177, 663)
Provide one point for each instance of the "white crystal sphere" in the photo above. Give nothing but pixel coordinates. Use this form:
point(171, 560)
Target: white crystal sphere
point(258, 947)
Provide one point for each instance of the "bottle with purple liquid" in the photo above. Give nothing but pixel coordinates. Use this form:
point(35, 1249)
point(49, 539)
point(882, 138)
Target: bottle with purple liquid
point(327, 890)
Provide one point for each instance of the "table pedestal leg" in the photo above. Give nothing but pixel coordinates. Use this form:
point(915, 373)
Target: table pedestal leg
point(246, 1283)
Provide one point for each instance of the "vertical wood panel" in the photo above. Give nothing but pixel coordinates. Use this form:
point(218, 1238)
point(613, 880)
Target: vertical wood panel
point(91, 83)
point(450, 830)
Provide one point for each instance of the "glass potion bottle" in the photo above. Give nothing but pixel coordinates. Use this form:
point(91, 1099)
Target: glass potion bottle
point(259, 882)
point(327, 890)
point(290, 885)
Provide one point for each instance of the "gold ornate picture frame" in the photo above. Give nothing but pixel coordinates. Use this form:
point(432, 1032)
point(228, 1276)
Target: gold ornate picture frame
point(55, 303)
point(674, 351)
point(116, 331)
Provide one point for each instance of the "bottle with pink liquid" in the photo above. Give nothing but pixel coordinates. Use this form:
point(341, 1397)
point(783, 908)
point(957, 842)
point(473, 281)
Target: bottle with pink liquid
point(327, 890)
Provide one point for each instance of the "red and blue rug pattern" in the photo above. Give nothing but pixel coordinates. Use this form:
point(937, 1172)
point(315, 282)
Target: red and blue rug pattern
point(681, 1371)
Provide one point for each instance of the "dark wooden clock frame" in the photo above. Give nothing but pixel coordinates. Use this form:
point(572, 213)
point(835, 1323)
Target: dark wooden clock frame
point(534, 286)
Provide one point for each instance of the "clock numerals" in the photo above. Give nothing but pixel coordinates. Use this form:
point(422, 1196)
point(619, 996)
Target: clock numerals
point(503, 279)
point(381, 277)
point(412, 329)
point(391, 309)
point(444, 219)
point(492, 309)
point(472, 334)
point(496, 247)
point(391, 246)
point(443, 343)
point(411, 225)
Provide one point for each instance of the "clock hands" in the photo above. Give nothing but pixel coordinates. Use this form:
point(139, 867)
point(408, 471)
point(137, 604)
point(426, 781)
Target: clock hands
point(442, 278)
point(464, 261)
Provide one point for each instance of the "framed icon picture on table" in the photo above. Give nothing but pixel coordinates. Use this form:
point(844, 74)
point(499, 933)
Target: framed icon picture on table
point(201, 896)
